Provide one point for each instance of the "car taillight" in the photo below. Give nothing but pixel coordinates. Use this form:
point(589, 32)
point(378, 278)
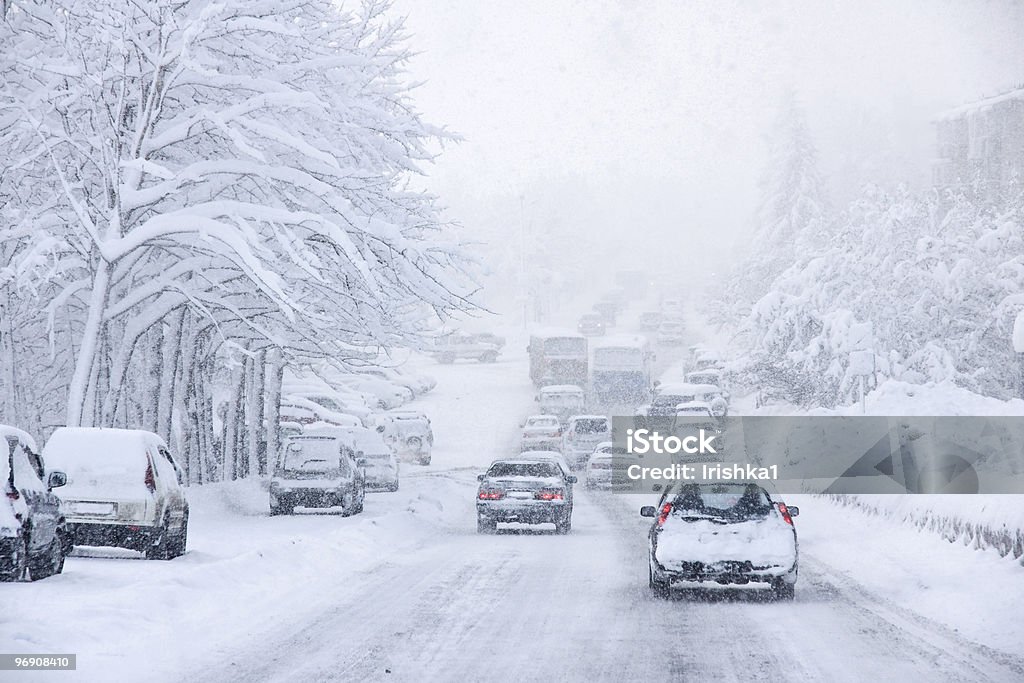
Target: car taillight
point(665, 510)
point(550, 494)
point(150, 479)
point(491, 494)
point(784, 511)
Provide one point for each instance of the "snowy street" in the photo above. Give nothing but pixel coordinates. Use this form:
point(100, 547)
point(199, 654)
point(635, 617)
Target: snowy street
point(472, 340)
point(409, 591)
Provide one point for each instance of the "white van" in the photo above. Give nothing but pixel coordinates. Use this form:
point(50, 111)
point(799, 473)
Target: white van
point(123, 489)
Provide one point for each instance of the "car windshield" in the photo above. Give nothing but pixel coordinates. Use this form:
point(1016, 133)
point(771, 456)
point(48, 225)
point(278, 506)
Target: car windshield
point(731, 501)
point(552, 397)
point(320, 456)
point(592, 426)
point(523, 469)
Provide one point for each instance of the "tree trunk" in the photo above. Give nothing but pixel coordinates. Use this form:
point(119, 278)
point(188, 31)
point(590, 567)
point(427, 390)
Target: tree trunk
point(257, 435)
point(85, 363)
point(273, 409)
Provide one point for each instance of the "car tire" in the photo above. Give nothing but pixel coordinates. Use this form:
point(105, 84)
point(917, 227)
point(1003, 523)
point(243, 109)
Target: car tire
point(660, 589)
point(50, 563)
point(489, 357)
point(180, 540)
point(17, 572)
point(783, 591)
point(393, 487)
point(161, 550)
point(486, 525)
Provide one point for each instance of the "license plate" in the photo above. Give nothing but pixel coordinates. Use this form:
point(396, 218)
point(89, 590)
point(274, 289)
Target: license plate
point(94, 508)
point(520, 494)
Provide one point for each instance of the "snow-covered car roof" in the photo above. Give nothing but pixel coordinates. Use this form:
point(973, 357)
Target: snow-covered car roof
point(561, 389)
point(541, 418)
point(588, 417)
point(694, 407)
point(21, 435)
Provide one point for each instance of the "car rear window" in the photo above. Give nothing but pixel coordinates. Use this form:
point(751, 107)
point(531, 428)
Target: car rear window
point(591, 426)
point(313, 455)
point(523, 469)
point(742, 501)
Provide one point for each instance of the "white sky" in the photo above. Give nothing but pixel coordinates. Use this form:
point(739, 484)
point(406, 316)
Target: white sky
point(635, 120)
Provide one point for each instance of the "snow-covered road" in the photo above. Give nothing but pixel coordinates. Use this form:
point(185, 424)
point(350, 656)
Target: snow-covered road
point(409, 592)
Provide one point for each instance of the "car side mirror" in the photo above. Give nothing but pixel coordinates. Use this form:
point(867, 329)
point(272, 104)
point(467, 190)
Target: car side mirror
point(361, 462)
point(481, 477)
point(793, 510)
point(571, 479)
point(648, 511)
point(56, 479)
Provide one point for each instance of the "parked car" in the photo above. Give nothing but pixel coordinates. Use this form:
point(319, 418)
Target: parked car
point(317, 470)
point(525, 491)
point(387, 394)
point(722, 534)
point(124, 489)
point(650, 320)
point(417, 384)
point(33, 531)
point(582, 434)
point(380, 464)
point(454, 346)
point(309, 409)
point(591, 325)
point(490, 338)
point(562, 400)
point(541, 432)
point(408, 433)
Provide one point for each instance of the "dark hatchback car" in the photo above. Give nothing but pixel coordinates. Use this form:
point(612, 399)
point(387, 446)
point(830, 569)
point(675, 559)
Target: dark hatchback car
point(317, 471)
point(722, 534)
point(33, 533)
point(525, 491)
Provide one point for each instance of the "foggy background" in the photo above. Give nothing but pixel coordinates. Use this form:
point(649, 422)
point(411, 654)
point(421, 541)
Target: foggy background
point(599, 129)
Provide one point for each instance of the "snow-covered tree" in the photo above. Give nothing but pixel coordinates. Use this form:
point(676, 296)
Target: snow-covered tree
point(206, 173)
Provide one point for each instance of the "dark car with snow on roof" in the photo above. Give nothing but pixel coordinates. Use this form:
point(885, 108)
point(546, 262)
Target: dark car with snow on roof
point(527, 491)
point(33, 532)
point(727, 534)
point(317, 470)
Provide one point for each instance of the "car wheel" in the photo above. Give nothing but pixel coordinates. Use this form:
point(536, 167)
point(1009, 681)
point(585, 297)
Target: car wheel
point(658, 588)
point(161, 550)
point(486, 525)
point(489, 357)
point(50, 563)
point(20, 563)
point(783, 591)
point(393, 487)
point(180, 539)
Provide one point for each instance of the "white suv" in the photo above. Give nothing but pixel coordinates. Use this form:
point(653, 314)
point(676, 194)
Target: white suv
point(123, 489)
